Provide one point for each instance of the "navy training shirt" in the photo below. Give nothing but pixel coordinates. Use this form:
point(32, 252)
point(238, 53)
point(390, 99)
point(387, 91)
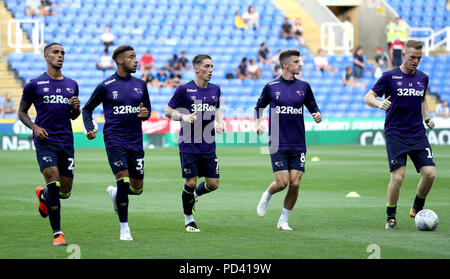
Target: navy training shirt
point(198, 137)
point(51, 99)
point(121, 97)
point(286, 121)
point(404, 116)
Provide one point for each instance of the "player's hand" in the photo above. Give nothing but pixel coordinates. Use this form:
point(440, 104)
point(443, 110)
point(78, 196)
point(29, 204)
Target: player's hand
point(143, 111)
point(430, 124)
point(317, 117)
point(91, 135)
point(260, 130)
point(385, 104)
point(39, 133)
point(75, 102)
point(189, 118)
point(220, 128)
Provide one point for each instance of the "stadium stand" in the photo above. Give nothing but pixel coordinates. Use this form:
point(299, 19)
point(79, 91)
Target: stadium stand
point(198, 26)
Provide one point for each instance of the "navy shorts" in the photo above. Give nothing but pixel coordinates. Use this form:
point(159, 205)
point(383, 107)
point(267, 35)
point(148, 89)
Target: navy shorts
point(52, 155)
point(418, 149)
point(199, 165)
point(288, 160)
point(124, 159)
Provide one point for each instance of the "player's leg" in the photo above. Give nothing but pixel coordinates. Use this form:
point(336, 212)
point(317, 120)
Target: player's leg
point(393, 193)
point(118, 161)
point(188, 201)
point(208, 166)
point(424, 162)
point(280, 163)
point(296, 165)
point(53, 204)
point(280, 183)
point(66, 167)
point(290, 198)
point(397, 167)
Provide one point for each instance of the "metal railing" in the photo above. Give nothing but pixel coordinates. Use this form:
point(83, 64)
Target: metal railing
point(37, 37)
point(337, 37)
point(434, 40)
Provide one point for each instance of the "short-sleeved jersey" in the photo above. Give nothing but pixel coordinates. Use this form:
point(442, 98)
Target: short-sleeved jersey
point(286, 121)
point(121, 98)
point(198, 137)
point(404, 116)
point(51, 98)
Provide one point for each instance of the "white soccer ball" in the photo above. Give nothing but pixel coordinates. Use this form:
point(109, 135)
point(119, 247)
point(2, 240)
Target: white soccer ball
point(426, 220)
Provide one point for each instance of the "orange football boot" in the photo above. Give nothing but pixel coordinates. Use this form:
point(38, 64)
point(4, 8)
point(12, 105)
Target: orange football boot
point(42, 207)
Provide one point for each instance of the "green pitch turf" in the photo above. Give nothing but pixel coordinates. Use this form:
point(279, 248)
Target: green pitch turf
point(326, 223)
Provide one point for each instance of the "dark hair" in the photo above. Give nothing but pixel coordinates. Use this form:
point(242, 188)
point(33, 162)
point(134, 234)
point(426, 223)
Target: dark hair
point(284, 55)
point(50, 45)
point(198, 59)
point(121, 49)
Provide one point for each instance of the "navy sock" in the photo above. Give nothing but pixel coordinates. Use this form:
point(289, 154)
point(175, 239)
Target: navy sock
point(188, 199)
point(419, 203)
point(391, 210)
point(53, 205)
point(123, 186)
point(202, 189)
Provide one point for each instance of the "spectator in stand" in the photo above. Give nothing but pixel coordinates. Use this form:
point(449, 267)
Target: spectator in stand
point(349, 80)
point(358, 63)
point(442, 109)
point(184, 63)
point(276, 67)
point(264, 55)
point(396, 52)
point(239, 22)
point(33, 6)
point(46, 8)
point(402, 30)
point(251, 18)
point(8, 107)
point(242, 72)
point(175, 79)
point(391, 26)
point(148, 77)
point(105, 62)
point(382, 63)
point(107, 37)
point(173, 63)
point(161, 78)
point(321, 62)
point(286, 29)
point(147, 62)
point(298, 31)
point(254, 70)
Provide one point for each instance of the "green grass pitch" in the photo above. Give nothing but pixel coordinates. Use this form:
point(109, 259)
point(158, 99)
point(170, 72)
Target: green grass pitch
point(326, 223)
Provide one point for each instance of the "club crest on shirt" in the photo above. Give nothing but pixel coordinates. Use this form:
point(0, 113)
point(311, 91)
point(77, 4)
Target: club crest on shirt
point(47, 159)
point(420, 84)
point(118, 163)
point(70, 90)
point(138, 90)
point(301, 93)
point(115, 94)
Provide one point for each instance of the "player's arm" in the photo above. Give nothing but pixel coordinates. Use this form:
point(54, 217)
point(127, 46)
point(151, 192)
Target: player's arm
point(261, 104)
point(88, 109)
point(75, 111)
point(145, 108)
point(220, 127)
point(311, 105)
point(426, 115)
point(39, 133)
point(178, 116)
point(371, 100)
